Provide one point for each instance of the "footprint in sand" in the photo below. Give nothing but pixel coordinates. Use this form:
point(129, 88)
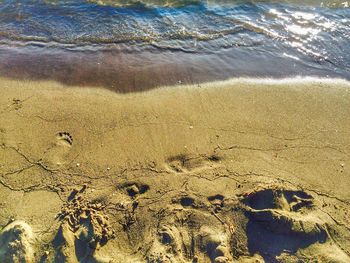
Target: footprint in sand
point(64, 137)
point(282, 220)
point(183, 163)
point(84, 229)
point(217, 202)
point(58, 153)
point(16, 243)
point(190, 235)
point(134, 189)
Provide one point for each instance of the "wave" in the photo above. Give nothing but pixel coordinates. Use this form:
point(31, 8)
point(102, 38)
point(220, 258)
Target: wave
point(180, 3)
point(295, 31)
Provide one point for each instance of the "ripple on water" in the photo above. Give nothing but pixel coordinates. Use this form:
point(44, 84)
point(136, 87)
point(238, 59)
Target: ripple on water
point(312, 35)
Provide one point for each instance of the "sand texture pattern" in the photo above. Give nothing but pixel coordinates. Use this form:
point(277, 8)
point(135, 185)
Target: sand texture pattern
point(235, 171)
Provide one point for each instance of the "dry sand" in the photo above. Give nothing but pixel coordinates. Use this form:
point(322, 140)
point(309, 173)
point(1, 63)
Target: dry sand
point(235, 171)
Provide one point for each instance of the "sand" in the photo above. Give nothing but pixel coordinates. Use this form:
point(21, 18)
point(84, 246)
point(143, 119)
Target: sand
point(235, 171)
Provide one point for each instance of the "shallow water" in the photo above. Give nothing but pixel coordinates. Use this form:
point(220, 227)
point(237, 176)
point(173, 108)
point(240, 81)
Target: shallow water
point(133, 45)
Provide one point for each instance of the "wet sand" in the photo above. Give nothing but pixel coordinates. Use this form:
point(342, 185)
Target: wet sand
point(234, 171)
point(132, 69)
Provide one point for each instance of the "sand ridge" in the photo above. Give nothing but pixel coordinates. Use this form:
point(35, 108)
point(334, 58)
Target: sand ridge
point(236, 171)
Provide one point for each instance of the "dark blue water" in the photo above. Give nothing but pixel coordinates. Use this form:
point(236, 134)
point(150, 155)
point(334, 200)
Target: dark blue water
point(210, 39)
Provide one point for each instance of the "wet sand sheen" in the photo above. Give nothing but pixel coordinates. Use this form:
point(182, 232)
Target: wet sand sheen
point(136, 70)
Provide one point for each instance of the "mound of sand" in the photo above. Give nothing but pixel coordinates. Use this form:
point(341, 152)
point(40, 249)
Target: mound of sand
point(15, 243)
point(236, 171)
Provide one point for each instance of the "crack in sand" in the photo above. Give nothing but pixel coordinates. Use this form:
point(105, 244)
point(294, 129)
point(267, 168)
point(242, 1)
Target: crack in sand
point(286, 148)
point(310, 135)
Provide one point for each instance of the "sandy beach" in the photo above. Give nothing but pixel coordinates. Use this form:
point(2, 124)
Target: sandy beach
point(237, 171)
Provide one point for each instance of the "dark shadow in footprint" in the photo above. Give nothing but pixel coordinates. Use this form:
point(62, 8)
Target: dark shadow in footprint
point(214, 158)
point(217, 202)
point(81, 250)
point(134, 189)
point(84, 228)
point(186, 201)
point(216, 197)
point(270, 244)
point(275, 226)
point(65, 136)
point(272, 198)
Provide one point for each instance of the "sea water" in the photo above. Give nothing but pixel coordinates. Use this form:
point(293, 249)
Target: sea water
point(131, 45)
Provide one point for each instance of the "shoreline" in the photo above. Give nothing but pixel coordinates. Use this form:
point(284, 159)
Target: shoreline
point(123, 70)
point(220, 170)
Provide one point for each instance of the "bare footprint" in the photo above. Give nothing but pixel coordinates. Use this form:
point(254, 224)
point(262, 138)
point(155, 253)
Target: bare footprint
point(64, 137)
point(282, 220)
point(183, 163)
point(134, 189)
point(57, 154)
point(16, 243)
point(190, 236)
point(84, 229)
point(287, 200)
point(217, 202)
